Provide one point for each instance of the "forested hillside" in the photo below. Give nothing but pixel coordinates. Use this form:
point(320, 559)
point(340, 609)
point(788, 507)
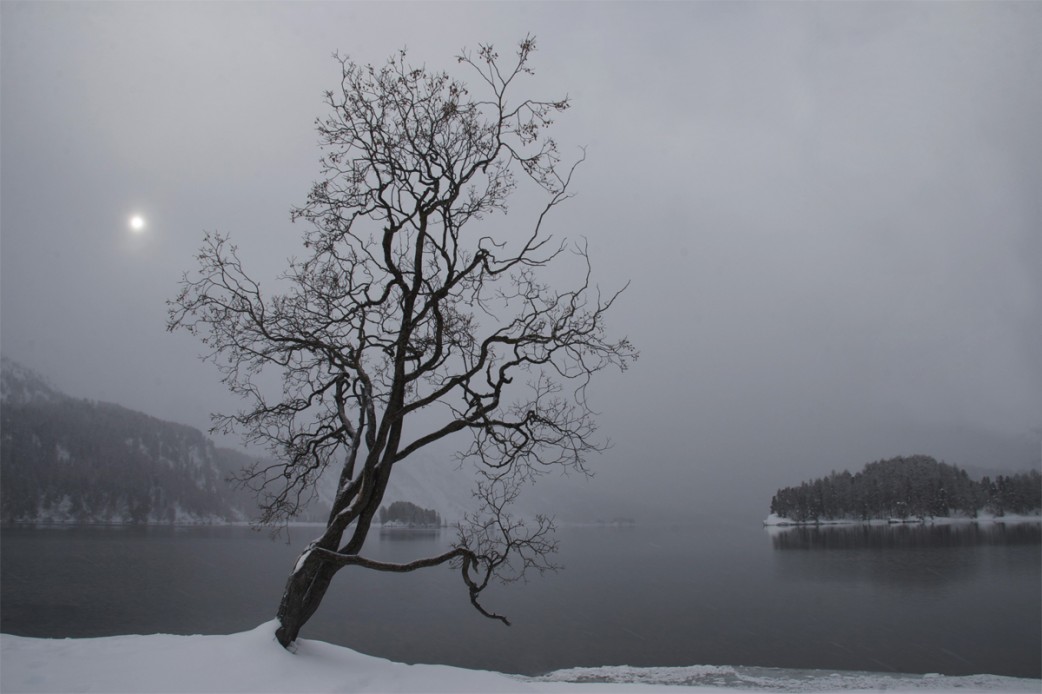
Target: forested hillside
point(69, 460)
point(912, 487)
point(409, 515)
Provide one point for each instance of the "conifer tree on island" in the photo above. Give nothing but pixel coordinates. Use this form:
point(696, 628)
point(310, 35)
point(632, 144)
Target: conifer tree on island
point(405, 304)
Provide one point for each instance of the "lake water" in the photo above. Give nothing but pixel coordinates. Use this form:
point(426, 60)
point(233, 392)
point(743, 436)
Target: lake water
point(957, 600)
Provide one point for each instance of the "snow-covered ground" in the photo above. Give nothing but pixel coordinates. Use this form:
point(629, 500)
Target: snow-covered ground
point(253, 661)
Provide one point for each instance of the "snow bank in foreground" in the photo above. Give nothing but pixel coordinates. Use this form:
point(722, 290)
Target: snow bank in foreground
point(253, 661)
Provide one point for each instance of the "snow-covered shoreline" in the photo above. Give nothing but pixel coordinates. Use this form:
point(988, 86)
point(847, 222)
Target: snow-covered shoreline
point(252, 661)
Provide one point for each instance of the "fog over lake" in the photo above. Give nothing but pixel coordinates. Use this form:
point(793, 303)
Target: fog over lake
point(828, 212)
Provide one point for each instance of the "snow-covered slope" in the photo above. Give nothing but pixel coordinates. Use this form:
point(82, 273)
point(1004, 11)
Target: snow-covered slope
point(70, 460)
point(253, 661)
point(21, 386)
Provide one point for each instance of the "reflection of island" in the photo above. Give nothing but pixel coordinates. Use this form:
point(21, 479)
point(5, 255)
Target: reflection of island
point(903, 536)
point(899, 561)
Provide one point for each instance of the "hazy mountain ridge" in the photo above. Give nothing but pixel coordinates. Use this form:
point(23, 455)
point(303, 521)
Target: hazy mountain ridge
point(68, 460)
point(22, 386)
point(441, 485)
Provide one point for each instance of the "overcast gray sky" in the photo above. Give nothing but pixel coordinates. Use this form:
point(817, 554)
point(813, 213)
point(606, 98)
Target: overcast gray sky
point(830, 212)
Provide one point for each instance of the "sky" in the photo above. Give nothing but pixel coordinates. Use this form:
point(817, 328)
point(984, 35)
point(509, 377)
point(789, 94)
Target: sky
point(829, 213)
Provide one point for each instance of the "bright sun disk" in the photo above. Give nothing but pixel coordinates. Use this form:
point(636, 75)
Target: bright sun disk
point(137, 222)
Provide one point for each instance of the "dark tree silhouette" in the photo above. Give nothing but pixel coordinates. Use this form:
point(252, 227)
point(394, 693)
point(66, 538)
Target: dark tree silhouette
point(400, 307)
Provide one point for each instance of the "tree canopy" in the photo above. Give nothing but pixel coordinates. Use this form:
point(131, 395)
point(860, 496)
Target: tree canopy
point(405, 304)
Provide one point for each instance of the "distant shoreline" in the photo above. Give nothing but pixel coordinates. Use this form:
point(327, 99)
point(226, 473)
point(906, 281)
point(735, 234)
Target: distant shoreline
point(776, 521)
point(132, 524)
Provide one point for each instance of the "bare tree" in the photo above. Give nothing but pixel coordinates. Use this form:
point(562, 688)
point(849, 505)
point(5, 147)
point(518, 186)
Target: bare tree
point(399, 309)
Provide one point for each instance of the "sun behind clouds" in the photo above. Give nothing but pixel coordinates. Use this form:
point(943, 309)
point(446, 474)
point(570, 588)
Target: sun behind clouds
point(137, 223)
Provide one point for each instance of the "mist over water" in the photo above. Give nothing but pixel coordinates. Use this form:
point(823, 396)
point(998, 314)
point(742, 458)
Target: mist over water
point(827, 213)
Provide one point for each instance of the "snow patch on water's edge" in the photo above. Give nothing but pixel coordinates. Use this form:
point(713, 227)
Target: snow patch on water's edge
point(754, 679)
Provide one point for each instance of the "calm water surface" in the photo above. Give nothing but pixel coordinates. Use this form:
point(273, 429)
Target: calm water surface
point(950, 599)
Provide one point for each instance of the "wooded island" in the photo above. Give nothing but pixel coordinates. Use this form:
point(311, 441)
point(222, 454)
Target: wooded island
point(915, 487)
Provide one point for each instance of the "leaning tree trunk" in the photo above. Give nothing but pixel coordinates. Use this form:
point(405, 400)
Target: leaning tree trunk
point(310, 579)
point(303, 594)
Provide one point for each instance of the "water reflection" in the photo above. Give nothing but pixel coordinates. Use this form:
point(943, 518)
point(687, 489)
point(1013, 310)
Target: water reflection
point(845, 537)
point(634, 596)
point(396, 534)
point(904, 560)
